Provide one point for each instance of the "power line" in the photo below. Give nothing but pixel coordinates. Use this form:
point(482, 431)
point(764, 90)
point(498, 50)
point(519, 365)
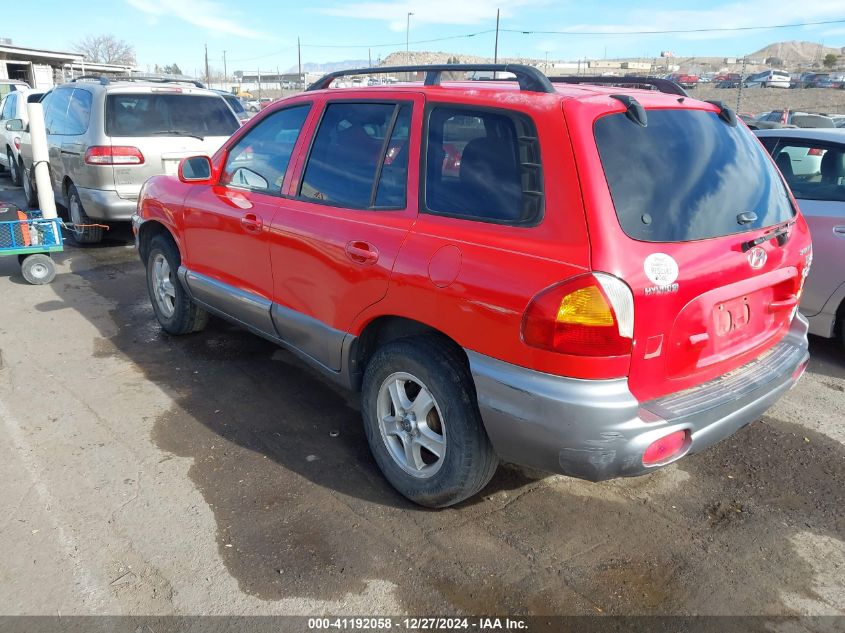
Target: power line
point(671, 31)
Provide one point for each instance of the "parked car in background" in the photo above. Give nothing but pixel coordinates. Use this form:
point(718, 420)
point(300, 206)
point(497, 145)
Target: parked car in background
point(727, 80)
point(13, 111)
point(833, 80)
point(796, 118)
point(813, 164)
point(769, 79)
point(263, 102)
point(470, 301)
point(685, 80)
point(106, 137)
point(236, 105)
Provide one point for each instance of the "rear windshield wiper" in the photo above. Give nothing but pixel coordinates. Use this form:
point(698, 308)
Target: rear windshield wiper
point(178, 133)
point(781, 234)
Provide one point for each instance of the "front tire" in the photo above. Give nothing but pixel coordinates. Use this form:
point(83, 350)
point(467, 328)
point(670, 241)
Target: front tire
point(38, 269)
point(81, 234)
point(422, 422)
point(174, 309)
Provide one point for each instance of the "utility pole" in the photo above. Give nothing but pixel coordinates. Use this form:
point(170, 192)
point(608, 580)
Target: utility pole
point(496, 45)
point(299, 61)
point(225, 74)
point(206, 66)
point(407, 44)
point(741, 81)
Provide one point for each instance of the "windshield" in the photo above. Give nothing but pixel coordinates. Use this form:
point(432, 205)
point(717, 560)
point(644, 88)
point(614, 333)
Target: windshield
point(144, 114)
point(687, 175)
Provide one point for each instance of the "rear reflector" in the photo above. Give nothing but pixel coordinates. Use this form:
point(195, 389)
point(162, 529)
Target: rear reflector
point(799, 371)
point(113, 155)
point(665, 448)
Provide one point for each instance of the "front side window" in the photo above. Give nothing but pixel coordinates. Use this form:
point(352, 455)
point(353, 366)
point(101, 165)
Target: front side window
point(687, 176)
point(6, 107)
point(483, 165)
point(259, 160)
point(814, 171)
point(359, 158)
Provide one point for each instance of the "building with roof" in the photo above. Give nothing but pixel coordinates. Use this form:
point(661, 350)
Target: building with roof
point(43, 68)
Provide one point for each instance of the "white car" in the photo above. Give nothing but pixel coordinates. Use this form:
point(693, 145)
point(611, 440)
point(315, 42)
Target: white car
point(12, 108)
point(812, 162)
point(769, 79)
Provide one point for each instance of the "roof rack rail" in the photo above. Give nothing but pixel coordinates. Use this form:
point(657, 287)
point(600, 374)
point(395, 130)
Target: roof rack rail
point(663, 85)
point(105, 81)
point(530, 79)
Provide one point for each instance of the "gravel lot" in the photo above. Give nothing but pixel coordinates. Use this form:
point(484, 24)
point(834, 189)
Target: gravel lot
point(756, 100)
point(145, 474)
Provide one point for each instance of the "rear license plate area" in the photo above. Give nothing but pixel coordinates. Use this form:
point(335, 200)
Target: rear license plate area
point(731, 316)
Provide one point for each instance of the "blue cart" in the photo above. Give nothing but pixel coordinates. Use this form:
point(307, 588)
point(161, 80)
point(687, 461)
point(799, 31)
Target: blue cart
point(32, 238)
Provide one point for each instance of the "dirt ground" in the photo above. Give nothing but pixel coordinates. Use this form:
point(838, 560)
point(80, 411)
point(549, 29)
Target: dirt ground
point(756, 100)
point(144, 474)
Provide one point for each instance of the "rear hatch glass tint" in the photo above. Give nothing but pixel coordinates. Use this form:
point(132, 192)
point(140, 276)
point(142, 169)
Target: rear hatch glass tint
point(687, 176)
point(168, 114)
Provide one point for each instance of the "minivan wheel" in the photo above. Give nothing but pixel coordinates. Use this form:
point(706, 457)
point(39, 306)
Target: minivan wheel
point(422, 422)
point(29, 191)
point(174, 309)
point(14, 169)
point(78, 218)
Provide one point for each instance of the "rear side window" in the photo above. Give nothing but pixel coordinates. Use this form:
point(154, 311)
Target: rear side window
point(7, 107)
point(260, 158)
point(814, 171)
point(234, 103)
point(55, 115)
point(78, 112)
point(359, 158)
point(483, 165)
point(687, 175)
point(168, 114)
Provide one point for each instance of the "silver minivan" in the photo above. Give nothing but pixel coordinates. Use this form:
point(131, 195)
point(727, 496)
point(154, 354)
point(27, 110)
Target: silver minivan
point(106, 137)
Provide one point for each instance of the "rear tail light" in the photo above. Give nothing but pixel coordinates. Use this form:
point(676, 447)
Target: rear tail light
point(666, 448)
point(589, 315)
point(113, 155)
point(815, 151)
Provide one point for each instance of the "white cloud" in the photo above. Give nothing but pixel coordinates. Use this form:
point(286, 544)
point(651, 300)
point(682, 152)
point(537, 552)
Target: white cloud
point(430, 11)
point(206, 14)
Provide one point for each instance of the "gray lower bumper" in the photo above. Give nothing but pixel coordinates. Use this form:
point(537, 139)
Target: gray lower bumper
point(100, 204)
point(596, 429)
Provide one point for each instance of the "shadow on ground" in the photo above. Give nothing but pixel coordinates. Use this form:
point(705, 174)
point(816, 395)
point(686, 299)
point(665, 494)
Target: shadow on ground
point(301, 512)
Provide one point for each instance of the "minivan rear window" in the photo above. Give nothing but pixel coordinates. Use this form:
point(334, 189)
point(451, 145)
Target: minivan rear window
point(163, 114)
point(687, 175)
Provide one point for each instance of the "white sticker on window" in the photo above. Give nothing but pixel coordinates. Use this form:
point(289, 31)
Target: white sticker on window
point(661, 269)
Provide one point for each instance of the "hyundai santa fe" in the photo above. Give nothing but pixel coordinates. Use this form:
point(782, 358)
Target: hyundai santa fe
point(566, 273)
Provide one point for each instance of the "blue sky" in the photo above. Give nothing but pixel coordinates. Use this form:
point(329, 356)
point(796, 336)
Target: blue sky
point(263, 34)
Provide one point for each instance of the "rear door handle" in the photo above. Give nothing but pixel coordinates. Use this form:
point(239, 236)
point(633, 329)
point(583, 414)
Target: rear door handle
point(362, 252)
point(251, 223)
point(839, 231)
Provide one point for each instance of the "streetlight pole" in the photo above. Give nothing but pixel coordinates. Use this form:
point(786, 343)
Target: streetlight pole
point(407, 42)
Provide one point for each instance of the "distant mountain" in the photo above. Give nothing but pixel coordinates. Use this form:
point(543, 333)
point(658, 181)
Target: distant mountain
point(796, 52)
point(328, 67)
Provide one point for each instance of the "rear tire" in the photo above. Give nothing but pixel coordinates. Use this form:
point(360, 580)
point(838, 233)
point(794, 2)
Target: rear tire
point(432, 447)
point(77, 215)
point(174, 309)
point(14, 169)
point(38, 269)
point(29, 192)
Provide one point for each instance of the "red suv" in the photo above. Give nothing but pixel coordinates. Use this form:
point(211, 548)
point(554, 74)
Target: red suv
point(587, 279)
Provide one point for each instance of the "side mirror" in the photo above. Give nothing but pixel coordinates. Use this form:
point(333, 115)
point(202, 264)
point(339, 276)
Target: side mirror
point(196, 169)
point(14, 125)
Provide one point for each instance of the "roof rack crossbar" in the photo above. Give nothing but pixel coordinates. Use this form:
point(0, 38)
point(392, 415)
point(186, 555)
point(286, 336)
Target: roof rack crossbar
point(663, 85)
point(529, 78)
point(104, 80)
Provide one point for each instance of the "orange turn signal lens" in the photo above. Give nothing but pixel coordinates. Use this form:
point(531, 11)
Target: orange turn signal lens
point(585, 306)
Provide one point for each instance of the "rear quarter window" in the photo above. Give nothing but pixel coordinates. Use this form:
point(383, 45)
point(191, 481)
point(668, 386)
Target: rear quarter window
point(687, 175)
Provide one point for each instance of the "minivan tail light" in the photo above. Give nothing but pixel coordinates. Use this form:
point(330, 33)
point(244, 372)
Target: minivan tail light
point(588, 315)
point(815, 151)
point(113, 155)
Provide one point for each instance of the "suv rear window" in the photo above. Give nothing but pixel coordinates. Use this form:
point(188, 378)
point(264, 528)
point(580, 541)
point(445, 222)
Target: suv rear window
point(157, 114)
point(687, 175)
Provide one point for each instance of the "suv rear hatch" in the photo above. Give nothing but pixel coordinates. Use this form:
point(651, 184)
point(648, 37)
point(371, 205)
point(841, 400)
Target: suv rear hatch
point(680, 209)
point(164, 125)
